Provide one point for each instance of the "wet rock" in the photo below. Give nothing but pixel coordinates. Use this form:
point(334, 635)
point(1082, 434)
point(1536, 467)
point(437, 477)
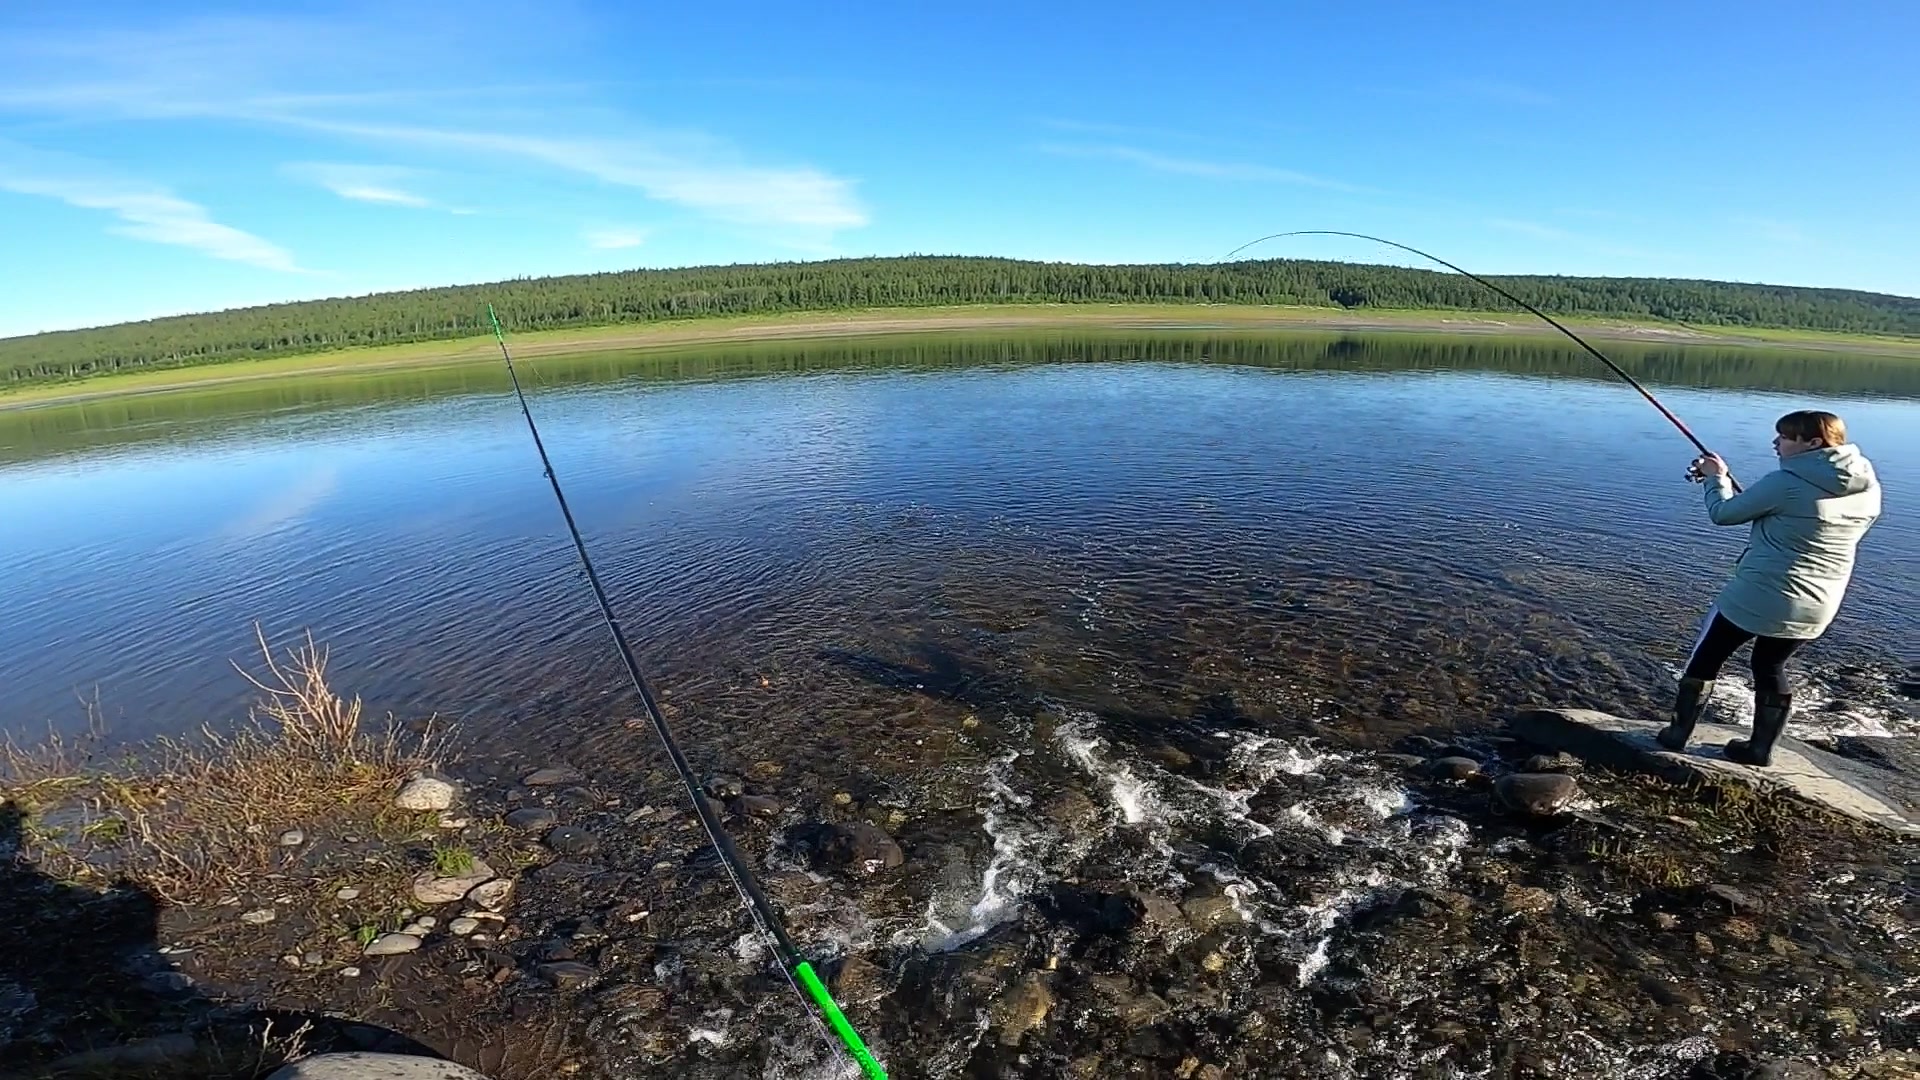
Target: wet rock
point(432, 888)
point(532, 819)
point(1023, 1007)
point(566, 974)
point(570, 840)
point(258, 917)
point(1170, 756)
point(365, 1065)
point(756, 806)
point(1735, 900)
point(1209, 911)
point(491, 895)
point(859, 980)
point(1095, 913)
point(292, 838)
point(463, 926)
point(858, 845)
point(553, 776)
point(1524, 900)
point(1546, 763)
point(393, 945)
point(1539, 794)
point(424, 793)
point(1071, 811)
point(1455, 768)
point(1129, 1004)
point(723, 786)
point(1403, 761)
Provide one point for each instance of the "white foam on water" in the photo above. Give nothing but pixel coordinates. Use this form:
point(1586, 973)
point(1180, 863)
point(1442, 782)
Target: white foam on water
point(1014, 869)
point(1817, 710)
point(1137, 800)
point(711, 1036)
point(1315, 962)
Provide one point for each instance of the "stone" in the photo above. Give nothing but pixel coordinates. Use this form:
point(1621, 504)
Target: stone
point(1524, 900)
point(463, 926)
point(570, 840)
point(1851, 788)
point(392, 945)
point(492, 895)
point(312, 959)
point(424, 793)
point(1021, 1008)
point(532, 819)
point(1539, 794)
point(292, 838)
point(1170, 756)
point(1404, 761)
point(756, 806)
point(258, 917)
point(1666, 920)
point(1455, 768)
point(566, 974)
point(1128, 1004)
point(1735, 900)
point(723, 786)
point(1560, 762)
point(432, 888)
point(349, 972)
point(347, 894)
point(857, 845)
point(860, 980)
point(365, 1065)
point(1207, 912)
point(553, 776)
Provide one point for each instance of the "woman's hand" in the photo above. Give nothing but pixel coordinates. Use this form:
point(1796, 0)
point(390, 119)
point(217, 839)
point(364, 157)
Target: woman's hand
point(1707, 465)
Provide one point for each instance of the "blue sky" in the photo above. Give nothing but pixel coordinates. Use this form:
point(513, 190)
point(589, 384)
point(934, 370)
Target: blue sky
point(158, 158)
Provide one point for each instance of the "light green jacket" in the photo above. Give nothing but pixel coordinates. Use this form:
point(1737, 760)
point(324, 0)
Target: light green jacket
point(1808, 517)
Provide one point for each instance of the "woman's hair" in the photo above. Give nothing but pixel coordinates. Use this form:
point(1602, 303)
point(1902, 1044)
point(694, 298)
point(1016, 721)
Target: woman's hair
point(1809, 424)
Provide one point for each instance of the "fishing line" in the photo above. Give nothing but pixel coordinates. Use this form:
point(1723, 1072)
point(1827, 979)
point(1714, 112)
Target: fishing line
point(1551, 321)
point(800, 974)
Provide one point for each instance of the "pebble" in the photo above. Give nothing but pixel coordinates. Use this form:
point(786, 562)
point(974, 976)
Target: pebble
point(292, 838)
point(448, 821)
point(349, 972)
point(757, 806)
point(258, 917)
point(841, 798)
point(532, 819)
point(313, 959)
point(1456, 768)
point(431, 888)
point(1665, 920)
point(424, 793)
point(463, 926)
point(492, 895)
point(1540, 794)
point(722, 786)
point(554, 775)
point(347, 894)
point(566, 974)
point(393, 945)
point(292, 960)
point(485, 916)
point(569, 840)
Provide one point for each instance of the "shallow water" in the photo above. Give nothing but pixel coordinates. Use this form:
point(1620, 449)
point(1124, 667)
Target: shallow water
point(1061, 604)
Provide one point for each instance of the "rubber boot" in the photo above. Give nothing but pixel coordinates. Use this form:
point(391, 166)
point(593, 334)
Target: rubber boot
point(1769, 720)
point(1688, 703)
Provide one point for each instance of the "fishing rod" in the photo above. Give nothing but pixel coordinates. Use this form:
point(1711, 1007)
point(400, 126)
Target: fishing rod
point(799, 972)
point(1551, 321)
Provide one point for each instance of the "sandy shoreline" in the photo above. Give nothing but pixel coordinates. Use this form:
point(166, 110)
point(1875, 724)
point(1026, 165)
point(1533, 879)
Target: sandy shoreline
point(899, 321)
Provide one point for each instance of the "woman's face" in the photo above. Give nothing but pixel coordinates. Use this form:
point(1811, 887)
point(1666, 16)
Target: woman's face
point(1786, 447)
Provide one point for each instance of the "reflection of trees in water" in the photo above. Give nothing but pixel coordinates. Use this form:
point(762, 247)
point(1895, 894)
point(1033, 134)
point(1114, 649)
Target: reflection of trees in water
point(184, 415)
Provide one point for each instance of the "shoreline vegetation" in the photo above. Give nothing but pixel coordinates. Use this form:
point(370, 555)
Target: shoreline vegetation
point(530, 345)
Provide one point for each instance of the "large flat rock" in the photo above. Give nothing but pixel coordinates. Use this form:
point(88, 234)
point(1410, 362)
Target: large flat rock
point(1852, 788)
point(366, 1066)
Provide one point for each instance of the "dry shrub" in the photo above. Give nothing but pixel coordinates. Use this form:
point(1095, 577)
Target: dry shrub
point(189, 819)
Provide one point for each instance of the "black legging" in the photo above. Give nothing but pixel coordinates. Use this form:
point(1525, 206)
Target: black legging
point(1769, 655)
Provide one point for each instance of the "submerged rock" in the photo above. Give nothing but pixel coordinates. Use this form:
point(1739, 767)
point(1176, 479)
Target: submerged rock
point(423, 793)
point(1539, 794)
point(1023, 1007)
point(857, 845)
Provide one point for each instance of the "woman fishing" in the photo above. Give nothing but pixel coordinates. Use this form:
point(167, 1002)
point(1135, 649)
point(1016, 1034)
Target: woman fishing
point(1807, 518)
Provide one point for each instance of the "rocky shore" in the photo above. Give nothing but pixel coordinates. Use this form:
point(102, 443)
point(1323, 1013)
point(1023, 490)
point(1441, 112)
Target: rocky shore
point(1505, 903)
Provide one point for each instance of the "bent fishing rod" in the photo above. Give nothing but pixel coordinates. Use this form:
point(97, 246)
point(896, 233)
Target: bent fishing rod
point(799, 972)
point(1551, 321)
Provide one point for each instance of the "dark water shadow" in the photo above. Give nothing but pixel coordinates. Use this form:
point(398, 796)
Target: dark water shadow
point(86, 992)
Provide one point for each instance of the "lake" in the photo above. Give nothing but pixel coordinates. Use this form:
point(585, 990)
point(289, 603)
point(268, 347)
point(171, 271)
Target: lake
point(1056, 608)
point(1334, 527)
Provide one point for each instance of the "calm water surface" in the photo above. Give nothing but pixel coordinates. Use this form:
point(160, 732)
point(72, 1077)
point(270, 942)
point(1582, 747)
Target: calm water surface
point(966, 578)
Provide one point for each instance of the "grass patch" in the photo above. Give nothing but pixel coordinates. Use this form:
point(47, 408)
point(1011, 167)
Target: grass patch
point(191, 820)
point(452, 860)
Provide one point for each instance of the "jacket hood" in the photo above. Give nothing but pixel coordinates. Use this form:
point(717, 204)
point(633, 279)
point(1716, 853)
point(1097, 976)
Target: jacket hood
point(1836, 470)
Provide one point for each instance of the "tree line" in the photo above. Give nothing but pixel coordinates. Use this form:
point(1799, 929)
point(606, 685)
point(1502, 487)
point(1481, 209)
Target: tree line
point(635, 296)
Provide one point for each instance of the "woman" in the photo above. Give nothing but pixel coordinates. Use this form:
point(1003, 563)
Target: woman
point(1807, 519)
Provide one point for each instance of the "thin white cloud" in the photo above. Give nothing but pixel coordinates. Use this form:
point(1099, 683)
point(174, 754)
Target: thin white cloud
point(1219, 170)
point(615, 238)
point(146, 211)
point(362, 183)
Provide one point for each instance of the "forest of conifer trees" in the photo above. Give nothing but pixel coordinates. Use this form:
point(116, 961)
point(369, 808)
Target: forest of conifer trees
point(635, 296)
